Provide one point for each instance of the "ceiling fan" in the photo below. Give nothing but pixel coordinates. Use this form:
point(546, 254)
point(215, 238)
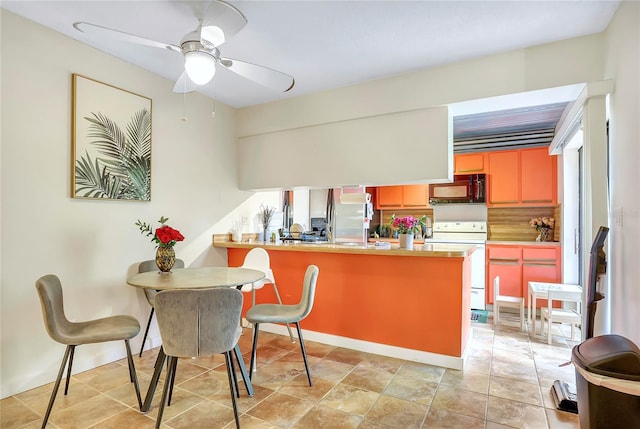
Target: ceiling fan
point(200, 49)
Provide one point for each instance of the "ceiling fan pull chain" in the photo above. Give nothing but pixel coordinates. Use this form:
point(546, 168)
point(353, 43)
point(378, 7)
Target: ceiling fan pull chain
point(184, 107)
point(213, 114)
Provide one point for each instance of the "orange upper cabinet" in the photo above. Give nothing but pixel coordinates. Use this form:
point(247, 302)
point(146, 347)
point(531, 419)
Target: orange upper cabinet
point(538, 172)
point(469, 163)
point(524, 177)
point(503, 179)
point(389, 197)
point(399, 197)
point(415, 196)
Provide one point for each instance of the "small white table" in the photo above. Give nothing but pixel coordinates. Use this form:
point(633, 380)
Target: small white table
point(540, 290)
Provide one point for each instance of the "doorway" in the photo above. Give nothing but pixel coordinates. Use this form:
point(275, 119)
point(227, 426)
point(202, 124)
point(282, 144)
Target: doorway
point(573, 209)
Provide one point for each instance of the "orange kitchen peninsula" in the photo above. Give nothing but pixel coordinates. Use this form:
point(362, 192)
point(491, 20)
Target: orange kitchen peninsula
point(410, 304)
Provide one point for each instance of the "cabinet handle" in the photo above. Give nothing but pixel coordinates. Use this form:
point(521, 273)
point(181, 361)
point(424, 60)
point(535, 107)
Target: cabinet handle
point(473, 170)
point(539, 261)
point(504, 262)
point(539, 264)
point(536, 201)
point(505, 202)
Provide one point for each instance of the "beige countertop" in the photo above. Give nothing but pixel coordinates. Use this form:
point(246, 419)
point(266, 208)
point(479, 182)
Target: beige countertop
point(421, 250)
point(526, 243)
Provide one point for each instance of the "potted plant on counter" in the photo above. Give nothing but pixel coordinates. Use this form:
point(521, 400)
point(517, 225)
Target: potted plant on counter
point(544, 226)
point(406, 227)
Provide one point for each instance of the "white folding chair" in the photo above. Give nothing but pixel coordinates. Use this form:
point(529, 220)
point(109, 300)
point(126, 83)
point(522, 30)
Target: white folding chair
point(561, 315)
point(500, 301)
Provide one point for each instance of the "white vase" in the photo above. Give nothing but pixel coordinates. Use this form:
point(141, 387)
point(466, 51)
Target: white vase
point(406, 241)
point(236, 236)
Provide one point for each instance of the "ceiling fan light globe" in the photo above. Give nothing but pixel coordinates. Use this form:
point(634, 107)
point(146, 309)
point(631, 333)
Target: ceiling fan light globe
point(200, 67)
point(212, 35)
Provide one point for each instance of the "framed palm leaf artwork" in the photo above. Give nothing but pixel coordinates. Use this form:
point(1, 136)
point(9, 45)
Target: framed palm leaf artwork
point(111, 139)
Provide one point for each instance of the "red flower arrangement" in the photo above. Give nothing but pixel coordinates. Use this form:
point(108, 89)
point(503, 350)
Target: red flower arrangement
point(408, 224)
point(164, 236)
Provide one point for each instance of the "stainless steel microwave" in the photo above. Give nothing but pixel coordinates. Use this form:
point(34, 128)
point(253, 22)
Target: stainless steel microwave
point(465, 189)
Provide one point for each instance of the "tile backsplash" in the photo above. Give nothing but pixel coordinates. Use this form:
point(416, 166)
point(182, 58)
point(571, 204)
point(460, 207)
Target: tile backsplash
point(512, 224)
point(505, 224)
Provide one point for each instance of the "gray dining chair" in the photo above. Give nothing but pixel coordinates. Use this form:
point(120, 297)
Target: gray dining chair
point(197, 323)
point(150, 294)
point(281, 313)
point(73, 334)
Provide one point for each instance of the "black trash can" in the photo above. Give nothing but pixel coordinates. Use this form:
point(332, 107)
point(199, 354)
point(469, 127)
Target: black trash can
point(607, 382)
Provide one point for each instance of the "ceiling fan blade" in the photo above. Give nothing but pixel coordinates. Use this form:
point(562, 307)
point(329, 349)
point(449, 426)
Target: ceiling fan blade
point(184, 84)
point(100, 31)
point(262, 75)
point(220, 17)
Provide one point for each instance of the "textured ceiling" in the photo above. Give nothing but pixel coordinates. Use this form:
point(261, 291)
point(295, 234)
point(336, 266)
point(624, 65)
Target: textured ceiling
point(326, 44)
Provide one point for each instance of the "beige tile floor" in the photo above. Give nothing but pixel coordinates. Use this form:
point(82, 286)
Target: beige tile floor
point(505, 384)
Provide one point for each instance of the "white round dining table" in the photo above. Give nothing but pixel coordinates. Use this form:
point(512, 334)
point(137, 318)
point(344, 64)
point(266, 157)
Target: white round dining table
point(195, 278)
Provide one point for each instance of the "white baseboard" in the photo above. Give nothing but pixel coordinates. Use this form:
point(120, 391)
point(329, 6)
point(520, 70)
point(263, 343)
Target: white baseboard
point(436, 359)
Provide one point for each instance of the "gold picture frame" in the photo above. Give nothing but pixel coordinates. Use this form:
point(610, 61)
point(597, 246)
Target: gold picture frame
point(111, 142)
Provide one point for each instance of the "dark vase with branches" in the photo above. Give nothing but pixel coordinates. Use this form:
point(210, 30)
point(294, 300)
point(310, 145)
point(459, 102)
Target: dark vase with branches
point(265, 214)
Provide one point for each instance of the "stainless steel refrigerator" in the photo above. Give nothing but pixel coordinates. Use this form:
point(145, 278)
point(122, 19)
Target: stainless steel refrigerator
point(352, 213)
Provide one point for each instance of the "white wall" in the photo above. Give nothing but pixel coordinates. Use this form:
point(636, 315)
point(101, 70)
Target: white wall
point(540, 67)
point(417, 143)
point(93, 245)
point(623, 64)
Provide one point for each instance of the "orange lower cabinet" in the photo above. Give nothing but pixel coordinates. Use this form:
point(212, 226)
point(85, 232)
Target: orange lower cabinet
point(540, 264)
point(391, 300)
point(510, 273)
point(505, 262)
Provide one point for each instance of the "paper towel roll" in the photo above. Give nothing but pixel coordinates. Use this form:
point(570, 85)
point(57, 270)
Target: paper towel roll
point(355, 198)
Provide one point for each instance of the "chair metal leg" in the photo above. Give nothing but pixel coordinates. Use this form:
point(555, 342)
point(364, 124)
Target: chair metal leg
point(243, 370)
point(57, 385)
point(173, 381)
point(66, 383)
point(133, 376)
point(253, 364)
point(232, 386)
point(154, 380)
point(146, 332)
point(275, 289)
point(304, 353)
point(235, 379)
point(172, 361)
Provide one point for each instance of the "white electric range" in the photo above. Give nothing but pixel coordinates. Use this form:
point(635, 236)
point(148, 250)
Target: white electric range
point(467, 232)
